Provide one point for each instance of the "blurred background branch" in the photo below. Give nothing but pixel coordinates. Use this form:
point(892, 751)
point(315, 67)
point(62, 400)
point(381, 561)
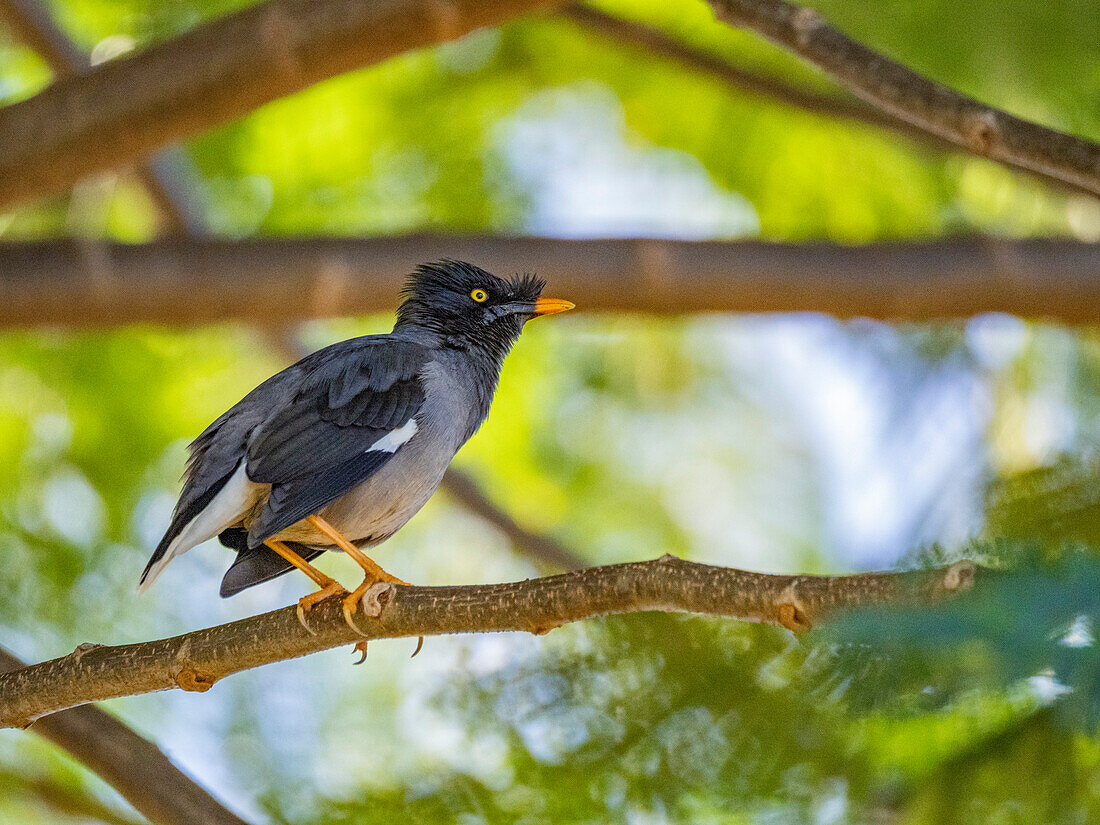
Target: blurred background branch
point(655, 42)
point(277, 281)
point(545, 551)
point(119, 111)
point(898, 90)
point(59, 800)
point(129, 763)
point(124, 109)
point(161, 174)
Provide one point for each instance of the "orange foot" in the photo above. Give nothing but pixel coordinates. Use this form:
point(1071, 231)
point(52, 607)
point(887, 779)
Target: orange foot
point(329, 586)
point(305, 604)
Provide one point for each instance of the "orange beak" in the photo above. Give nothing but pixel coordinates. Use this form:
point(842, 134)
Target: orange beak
point(550, 306)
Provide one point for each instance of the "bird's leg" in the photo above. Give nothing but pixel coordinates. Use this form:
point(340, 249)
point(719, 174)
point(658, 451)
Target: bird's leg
point(329, 586)
point(369, 565)
point(372, 573)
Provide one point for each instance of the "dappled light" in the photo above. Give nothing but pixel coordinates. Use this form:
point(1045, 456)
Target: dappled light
point(817, 334)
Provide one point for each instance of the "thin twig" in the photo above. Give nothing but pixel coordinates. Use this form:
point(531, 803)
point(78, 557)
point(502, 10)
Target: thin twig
point(129, 763)
point(896, 89)
point(195, 661)
point(282, 281)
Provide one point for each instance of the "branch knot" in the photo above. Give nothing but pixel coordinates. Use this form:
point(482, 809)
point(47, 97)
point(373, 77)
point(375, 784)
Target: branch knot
point(790, 611)
point(960, 576)
point(981, 131)
point(186, 675)
point(805, 23)
point(376, 598)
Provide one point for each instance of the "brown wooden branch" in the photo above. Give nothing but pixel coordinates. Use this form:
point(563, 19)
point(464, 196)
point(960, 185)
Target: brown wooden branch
point(196, 661)
point(123, 110)
point(898, 90)
point(31, 23)
point(160, 176)
point(281, 281)
point(541, 549)
point(129, 763)
point(773, 88)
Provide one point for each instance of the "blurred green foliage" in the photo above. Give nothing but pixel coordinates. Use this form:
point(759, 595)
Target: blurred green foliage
point(775, 444)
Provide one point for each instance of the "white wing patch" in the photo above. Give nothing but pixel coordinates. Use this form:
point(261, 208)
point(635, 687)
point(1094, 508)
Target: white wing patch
point(391, 441)
point(231, 502)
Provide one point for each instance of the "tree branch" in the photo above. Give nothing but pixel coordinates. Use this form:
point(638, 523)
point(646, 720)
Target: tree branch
point(898, 90)
point(657, 42)
point(195, 661)
point(129, 763)
point(124, 109)
point(85, 283)
point(33, 24)
point(849, 108)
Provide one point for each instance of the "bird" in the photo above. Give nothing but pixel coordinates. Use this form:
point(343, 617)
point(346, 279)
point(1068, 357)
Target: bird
point(341, 449)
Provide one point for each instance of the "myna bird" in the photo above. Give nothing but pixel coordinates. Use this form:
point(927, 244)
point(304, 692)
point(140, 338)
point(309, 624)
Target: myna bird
point(340, 450)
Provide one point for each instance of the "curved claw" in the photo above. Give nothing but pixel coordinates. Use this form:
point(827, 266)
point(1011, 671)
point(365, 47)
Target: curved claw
point(361, 647)
point(419, 645)
point(302, 620)
point(351, 605)
point(305, 604)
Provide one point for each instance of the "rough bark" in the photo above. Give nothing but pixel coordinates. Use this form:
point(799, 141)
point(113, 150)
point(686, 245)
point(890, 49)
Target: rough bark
point(196, 661)
point(275, 282)
point(129, 763)
point(898, 90)
point(122, 110)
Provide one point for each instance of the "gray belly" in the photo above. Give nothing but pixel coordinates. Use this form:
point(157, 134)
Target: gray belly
point(380, 506)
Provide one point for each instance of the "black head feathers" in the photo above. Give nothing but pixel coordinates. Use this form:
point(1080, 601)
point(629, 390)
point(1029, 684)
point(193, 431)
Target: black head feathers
point(469, 307)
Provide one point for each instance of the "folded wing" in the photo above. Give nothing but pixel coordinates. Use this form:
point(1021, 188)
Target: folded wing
point(349, 417)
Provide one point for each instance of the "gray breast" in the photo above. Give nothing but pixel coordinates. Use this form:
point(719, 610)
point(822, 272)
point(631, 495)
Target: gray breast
point(453, 410)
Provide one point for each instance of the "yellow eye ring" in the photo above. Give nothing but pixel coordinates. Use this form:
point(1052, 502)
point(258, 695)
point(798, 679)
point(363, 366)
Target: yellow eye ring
point(480, 295)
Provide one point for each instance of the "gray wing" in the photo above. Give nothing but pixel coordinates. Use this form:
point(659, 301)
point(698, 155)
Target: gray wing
point(347, 419)
point(215, 455)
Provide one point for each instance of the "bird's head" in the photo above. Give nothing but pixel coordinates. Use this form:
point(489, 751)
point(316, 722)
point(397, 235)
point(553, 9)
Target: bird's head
point(469, 307)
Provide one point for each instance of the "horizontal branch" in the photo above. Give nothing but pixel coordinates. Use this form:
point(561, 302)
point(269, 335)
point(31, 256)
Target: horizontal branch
point(124, 109)
point(129, 763)
point(277, 281)
point(195, 661)
point(898, 90)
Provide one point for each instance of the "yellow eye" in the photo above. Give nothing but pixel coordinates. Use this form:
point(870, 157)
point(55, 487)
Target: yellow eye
point(480, 295)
